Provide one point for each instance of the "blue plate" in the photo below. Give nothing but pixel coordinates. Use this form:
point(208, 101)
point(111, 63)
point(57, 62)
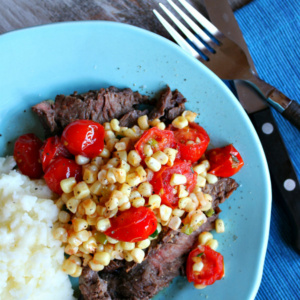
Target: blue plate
point(39, 63)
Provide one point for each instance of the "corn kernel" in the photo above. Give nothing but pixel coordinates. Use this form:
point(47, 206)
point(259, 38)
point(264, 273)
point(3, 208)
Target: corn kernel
point(161, 157)
point(71, 249)
point(199, 286)
point(148, 150)
point(127, 246)
point(95, 267)
point(189, 115)
point(111, 240)
point(204, 237)
point(171, 153)
point(78, 272)
point(125, 189)
point(89, 206)
point(219, 225)
point(120, 174)
point(114, 124)
point(165, 212)
point(183, 202)
point(211, 179)
point(112, 203)
point(125, 206)
point(153, 164)
point(201, 181)
point(81, 190)
point(180, 122)
point(140, 171)
point(63, 217)
point(174, 223)
point(68, 184)
point(177, 179)
point(154, 122)
point(199, 168)
point(79, 224)
point(137, 255)
point(178, 212)
point(133, 179)
point(143, 244)
point(121, 154)
point(134, 158)
point(197, 267)
point(138, 202)
point(90, 245)
point(72, 205)
point(103, 224)
point(143, 122)
point(105, 153)
point(81, 160)
point(154, 201)
point(69, 267)
point(111, 178)
point(213, 244)
point(145, 189)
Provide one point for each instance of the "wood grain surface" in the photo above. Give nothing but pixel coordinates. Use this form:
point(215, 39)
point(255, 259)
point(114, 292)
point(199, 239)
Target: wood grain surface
point(15, 14)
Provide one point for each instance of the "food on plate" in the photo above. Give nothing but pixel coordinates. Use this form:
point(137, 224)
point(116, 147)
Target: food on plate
point(30, 258)
point(134, 193)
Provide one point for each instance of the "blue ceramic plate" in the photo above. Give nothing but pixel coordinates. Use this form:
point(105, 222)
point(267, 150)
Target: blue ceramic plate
point(39, 63)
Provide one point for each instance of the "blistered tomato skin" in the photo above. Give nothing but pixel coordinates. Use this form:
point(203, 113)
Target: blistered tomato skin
point(132, 225)
point(61, 168)
point(84, 137)
point(52, 149)
point(26, 154)
point(213, 266)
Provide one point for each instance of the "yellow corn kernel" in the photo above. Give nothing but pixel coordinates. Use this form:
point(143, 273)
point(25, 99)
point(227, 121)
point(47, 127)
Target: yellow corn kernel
point(134, 194)
point(74, 241)
point(111, 240)
point(79, 224)
point(143, 244)
point(150, 174)
point(69, 267)
point(112, 204)
point(153, 164)
point(174, 223)
point(72, 205)
point(171, 153)
point(128, 257)
point(201, 181)
point(81, 190)
point(110, 176)
point(212, 179)
point(204, 237)
point(105, 153)
point(95, 267)
point(137, 255)
point(213, 244)
point(219, 225)
point(81, 160)
point(140, 171)
point(110, 145)
point(89, 206)
point(197, 267)
point(65, 197)
point(125, 166)
point(120, 174)
point(114, 161)
point(125, 206)
point(103, 224)
point(64, 217)
point(59, 203)
point(165, 212)
point(143, 122)
point(161, 126)
point(68, 184)
point(117, 255)
point(189, 115)
point(125, 189)
point(154, 201)
point(145, 189)
point(182, 192)
point(198, 218)
point(147, 150)
point(199, 286)
point(83, 235)
point(127, 246)
point(138, 202)
point(122, 154)
point(90, 245)
point(130, 133)
point(183, 202)
point(90, 174)
point(180, 122)
point(60, 234)
point(161, 157)
point(75, 259)
point(121, 146)
point(178, 212)
point(97, 161)
point(107, 126)
point(191, 206)
point(199, 168)
point(71, 250)
point(177, 179)
point(133, 179)
point(102, 177)
point(77, 273)
point(114, 124)
point(134, 158)
point(109, 134)
point(154, 122)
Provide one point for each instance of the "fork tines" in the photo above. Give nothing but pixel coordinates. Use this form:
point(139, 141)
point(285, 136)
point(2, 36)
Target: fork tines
point(202, 41)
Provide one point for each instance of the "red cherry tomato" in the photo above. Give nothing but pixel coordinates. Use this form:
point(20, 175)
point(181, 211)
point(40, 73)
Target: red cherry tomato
point(225, 161)
point(53, 148)
point(213, 268)
point(193, 133)
point(84, 137)
point(157, 139)
point(26, 154)
point(61, 168)
point(132, 225)
point(161, 181)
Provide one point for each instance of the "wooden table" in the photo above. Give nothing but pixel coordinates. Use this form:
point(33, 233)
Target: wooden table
point(15, 14)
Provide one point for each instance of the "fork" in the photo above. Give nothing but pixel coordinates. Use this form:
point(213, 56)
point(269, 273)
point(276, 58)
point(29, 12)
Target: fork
point(221, 55)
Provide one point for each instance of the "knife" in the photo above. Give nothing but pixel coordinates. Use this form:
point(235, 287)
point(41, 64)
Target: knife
point(282, 170)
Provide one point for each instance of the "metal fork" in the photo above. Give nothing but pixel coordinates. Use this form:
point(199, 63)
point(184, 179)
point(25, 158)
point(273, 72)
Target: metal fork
point(225, 58)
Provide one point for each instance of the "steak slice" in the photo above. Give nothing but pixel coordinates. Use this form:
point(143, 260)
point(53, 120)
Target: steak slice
point(100, 106)
point(164, 260)
point(107, 104)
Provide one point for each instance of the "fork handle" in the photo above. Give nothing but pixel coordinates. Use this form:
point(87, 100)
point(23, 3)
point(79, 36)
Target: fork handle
point(288, 108)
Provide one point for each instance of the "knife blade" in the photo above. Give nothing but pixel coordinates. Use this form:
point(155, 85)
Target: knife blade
point(282, 170)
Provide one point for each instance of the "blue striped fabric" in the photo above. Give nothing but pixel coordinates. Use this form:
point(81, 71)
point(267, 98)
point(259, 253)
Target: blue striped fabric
point(272, 31)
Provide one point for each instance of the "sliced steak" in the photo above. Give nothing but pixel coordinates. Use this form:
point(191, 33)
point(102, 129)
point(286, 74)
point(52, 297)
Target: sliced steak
point(100, 106)
point(164, 260)
point(169, 106)
point(106, 104)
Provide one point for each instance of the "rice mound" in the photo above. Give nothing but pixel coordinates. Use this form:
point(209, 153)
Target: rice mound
point(30, 258)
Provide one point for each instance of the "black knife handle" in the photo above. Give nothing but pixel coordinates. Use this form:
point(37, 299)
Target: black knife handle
point(281, 168)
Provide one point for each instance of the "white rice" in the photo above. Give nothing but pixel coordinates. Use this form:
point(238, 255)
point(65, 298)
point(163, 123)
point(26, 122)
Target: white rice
point(30, 258)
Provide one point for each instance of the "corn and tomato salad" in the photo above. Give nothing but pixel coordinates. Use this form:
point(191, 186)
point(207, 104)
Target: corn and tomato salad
point(121, 178)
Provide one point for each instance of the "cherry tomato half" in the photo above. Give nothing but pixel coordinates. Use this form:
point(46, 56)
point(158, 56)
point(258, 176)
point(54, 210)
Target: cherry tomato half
point(225, 161)
point(161, 181)
point(192, 133)
point(51, 149)
point(84, 137)
point(132, 225)
point(157, 139)
point(213, 268)
point(61, 168)
point(26, 154)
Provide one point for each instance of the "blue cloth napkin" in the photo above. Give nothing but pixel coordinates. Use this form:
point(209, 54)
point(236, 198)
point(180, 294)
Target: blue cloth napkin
point(272, 31)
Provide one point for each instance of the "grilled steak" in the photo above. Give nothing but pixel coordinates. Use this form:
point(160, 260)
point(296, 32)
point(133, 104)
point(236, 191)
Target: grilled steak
point(106, 104)
point(165, 260)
